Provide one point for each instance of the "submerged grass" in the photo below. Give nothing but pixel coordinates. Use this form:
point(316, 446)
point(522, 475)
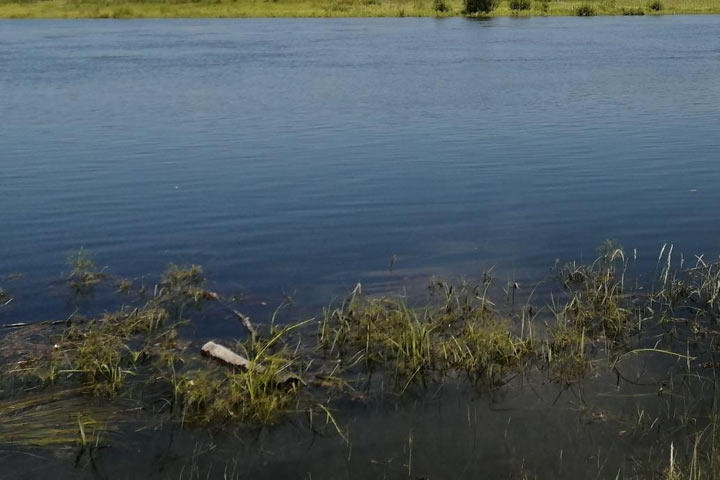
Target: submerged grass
point(466, 334)
point(460, 334)
point(84, 274)
point(335, 8)
point(54, 418)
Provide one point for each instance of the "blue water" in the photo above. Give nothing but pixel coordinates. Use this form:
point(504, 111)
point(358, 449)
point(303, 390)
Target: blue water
point(299, 156)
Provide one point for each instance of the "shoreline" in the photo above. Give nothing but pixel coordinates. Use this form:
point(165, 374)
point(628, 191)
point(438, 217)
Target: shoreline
point(62, 9)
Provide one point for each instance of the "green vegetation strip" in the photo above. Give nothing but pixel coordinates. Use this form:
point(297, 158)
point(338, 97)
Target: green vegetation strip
point(345, 8)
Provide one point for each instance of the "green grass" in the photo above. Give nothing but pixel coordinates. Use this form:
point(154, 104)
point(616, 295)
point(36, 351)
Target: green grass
point(333, 8)
point(593, 321)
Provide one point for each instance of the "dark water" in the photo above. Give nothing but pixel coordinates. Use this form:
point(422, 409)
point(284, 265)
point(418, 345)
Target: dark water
point(300, 156)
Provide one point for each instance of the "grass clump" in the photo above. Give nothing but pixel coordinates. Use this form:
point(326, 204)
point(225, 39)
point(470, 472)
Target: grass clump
point(656, 5)
point(84, 274)
point(518, 5)
point(484, 7)
point(179, 282)
point(378, 332)
point(181, 288)
point(544, 6)
point(633, 11)
point(260, 393)
point(124, 286)
point(585, 10)
point(488, 352)
point(565, 355)
point(596, 295)
point(253, 396)
point(460, 333)
point(101, 353)
point(441, 6)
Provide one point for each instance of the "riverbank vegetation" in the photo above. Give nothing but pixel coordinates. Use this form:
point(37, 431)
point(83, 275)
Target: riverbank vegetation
point(344, 8)
point(76, 381)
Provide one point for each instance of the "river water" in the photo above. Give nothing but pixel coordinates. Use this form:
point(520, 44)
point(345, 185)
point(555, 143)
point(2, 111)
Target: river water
point(299, 157)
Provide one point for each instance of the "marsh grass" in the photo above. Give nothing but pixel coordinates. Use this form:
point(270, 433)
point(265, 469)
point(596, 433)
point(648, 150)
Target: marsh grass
point(84, 273)
point(479, 335)
point(597, 302)
point(54, 418)
point(261, 394)
point(459, 334)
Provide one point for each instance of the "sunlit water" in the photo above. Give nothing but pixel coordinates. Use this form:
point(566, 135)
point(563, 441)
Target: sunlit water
point(300, 156)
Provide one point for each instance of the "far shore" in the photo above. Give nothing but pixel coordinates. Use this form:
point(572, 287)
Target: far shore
point(340, 8)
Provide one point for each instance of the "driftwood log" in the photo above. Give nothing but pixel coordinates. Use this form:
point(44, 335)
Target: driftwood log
point(228, 357)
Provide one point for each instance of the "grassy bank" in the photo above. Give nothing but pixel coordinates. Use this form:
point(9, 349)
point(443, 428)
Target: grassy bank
point(339, 8)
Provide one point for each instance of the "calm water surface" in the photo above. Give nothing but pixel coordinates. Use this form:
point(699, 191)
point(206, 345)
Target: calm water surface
point(300, 156)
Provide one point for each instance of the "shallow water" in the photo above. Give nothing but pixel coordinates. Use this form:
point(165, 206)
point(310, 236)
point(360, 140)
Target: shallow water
point(300, 156)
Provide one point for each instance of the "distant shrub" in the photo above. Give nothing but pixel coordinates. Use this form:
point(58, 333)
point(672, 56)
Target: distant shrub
point(480, 6)
point(585, 10)
point(633, 11)
point(440, 6)
point(656, 5)
point(607, 6)
point(122, 12)
point(519, 5)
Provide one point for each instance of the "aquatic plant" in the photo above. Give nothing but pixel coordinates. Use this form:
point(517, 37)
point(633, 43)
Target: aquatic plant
point(100, 352)
point(476, 335)
point(84, 274)
point(52, 418)
point(124, 286)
